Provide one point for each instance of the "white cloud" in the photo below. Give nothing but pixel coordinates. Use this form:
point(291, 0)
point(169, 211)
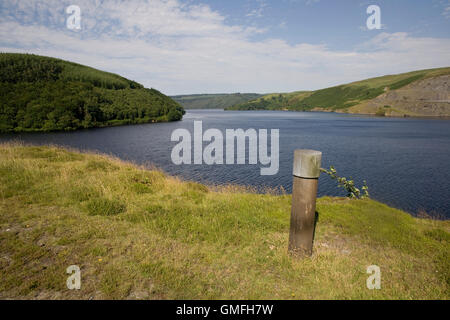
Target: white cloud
point(446, 12)
point(179, 48)
point(258, 12)
point(131, 18)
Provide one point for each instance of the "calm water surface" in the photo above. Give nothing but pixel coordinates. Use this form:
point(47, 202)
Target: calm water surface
point(405, 161)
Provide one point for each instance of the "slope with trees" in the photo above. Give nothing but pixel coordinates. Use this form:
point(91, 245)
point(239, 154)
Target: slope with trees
point(46, 94)
point(213, 101)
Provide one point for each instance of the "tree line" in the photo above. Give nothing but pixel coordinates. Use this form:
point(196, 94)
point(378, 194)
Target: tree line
point(47, 94)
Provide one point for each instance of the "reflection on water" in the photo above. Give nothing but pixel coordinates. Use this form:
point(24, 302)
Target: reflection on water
point(405, 161)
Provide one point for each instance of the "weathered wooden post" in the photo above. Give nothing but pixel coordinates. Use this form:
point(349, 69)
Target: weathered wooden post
point(304, 193)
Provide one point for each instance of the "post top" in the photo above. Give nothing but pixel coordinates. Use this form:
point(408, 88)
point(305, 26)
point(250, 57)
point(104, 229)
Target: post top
point(307, 163)
point(308, 151)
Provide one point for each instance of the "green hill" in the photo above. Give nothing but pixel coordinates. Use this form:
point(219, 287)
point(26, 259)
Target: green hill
point(424, 92)
point(213, 101)
point(139, 234)
point(46, 94)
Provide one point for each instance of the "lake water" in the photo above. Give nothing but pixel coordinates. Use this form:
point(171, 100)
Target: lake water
point(405, 161)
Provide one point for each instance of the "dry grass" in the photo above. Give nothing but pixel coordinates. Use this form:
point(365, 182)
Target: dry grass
point(140, 234)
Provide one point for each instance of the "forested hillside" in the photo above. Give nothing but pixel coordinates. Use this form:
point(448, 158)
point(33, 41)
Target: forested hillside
point(46, 94)
point(214, 101)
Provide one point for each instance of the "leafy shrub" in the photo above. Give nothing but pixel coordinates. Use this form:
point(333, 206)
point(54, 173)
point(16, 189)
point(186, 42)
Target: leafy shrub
point(174, 115)
point(348, 185)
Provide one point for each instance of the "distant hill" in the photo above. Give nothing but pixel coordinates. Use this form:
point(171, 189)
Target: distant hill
point(47, 94)
point(418, 93)
point(213, 101)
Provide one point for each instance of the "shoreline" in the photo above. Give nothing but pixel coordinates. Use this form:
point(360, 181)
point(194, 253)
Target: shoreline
point(372, 115)
point(278, 190)
point(141, 234)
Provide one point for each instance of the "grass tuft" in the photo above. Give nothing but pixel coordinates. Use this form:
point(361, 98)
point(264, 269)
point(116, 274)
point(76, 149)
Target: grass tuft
point(105, 207)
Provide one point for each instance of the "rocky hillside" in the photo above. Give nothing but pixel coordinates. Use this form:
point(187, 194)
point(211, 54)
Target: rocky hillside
point(417, 93)
point(428, 97)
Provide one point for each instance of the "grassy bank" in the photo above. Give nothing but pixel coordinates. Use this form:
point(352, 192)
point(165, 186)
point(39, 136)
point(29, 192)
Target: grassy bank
point(137, 233)
point(354, 97)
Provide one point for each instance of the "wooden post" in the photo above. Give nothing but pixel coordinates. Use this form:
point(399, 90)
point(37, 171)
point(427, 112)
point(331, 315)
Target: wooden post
point(304, 193)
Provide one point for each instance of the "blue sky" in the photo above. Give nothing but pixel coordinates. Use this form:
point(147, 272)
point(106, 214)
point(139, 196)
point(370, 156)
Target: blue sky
point(189, 46)
point(338, 23)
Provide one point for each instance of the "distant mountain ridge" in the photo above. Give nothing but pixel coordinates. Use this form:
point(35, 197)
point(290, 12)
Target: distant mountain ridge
point(417, 93)
point(48, 94)
point(214, 101)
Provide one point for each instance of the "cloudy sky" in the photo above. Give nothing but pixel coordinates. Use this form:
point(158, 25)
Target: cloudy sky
point(211, 46)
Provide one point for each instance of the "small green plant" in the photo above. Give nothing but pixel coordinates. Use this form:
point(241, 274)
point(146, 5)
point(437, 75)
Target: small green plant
point(348, 185)
point(105, 207)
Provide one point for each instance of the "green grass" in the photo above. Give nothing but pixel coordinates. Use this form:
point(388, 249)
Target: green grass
point(140, 234)
point(339, 97)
